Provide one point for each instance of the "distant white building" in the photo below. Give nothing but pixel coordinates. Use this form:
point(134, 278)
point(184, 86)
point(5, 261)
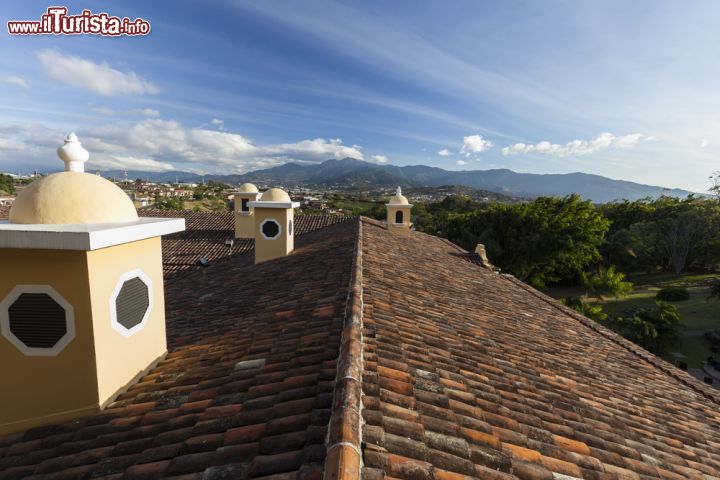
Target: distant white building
point(6, 201)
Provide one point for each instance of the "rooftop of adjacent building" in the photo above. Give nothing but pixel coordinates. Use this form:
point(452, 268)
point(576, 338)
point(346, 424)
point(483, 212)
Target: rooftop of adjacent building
point(456, 371)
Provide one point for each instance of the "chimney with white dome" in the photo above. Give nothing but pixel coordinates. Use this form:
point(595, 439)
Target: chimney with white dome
point(273, 227)
point(398, 214)
point(244, 213)
point(81, 295)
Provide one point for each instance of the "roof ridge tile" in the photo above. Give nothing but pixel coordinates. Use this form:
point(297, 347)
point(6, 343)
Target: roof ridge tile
point(344, 435)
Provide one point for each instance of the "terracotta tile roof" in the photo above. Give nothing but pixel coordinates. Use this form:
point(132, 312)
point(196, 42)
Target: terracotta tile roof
point(376, 356)
point(205, 236)
point(245, 392)
point(207, 232)
point(468, 373)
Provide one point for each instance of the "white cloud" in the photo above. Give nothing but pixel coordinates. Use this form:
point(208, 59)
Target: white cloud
point(217, 121)
point(576, 147)
point(474, 144)
point(13, 80)
point(461, 162)
point(133, 163)
point(703, 143)
point(159, 145)
point(379, 158)
point(444, 152)
point(100, 78)
point(144, 112)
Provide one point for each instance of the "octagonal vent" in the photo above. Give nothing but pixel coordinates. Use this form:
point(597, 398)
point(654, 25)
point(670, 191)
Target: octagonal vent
point(37, 320)
point(270, 229)
point(131, 302)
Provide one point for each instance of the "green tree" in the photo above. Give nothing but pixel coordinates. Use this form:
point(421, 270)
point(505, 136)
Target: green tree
point(168, 203)
point(667, 232)
point(539, 242)
point(607, 281)
point(6, 184)
point(626, 213)
point(655, 329)
point(681, 236)
point(715, 183)
point(714, 290)
point(594, 312)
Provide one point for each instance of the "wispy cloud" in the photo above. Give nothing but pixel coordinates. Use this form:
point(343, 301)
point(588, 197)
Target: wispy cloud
point(139, 112)
point(576, 147)
point(444, 152)
point(13, 80)
point(132, 163)
point(144, 112)
point(397, 50)
point(99, 78)
point(474, 144)
point(460, 162)
point(379, 158)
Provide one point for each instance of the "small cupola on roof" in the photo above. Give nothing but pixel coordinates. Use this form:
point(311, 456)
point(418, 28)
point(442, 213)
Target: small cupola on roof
point(244, 213)
point(81, 295)
point(273, 227)
point(72, 196)
point(398, 214)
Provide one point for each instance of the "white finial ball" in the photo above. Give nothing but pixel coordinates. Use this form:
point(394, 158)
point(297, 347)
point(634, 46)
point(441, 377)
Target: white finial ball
point(73, 154)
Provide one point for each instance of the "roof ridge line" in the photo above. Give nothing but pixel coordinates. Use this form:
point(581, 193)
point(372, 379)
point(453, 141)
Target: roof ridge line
point(344, 436)
point(616, 338)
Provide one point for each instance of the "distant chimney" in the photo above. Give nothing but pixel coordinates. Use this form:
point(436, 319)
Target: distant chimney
point(81, 296)
point(274, 233)
point(480, 252)
point(398, 214)
point(244, 213)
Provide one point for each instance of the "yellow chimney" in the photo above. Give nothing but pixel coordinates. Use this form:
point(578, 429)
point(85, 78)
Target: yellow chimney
point(398, 214)
point(274, 233)
point(81, 296)
point(244, 213)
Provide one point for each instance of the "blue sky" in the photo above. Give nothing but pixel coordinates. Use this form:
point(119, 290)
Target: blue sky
point(623, 89)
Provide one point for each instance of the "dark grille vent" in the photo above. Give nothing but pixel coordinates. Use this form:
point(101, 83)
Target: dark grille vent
point(270, 229)
point(398, 217)
point(37, 320)
point(244, 204)
point(132, 302)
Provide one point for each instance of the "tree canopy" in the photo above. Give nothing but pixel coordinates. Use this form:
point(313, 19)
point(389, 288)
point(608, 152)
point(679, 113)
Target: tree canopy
point(542, 241)
point(6, 184)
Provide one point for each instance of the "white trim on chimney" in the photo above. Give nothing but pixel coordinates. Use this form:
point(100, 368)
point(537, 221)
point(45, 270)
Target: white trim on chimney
point(85, 236)
point(261, 204)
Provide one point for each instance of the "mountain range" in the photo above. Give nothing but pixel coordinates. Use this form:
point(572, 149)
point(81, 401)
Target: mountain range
point(353, 173)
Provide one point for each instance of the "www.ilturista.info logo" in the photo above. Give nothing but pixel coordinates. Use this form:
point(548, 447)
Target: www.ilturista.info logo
point(57, 22)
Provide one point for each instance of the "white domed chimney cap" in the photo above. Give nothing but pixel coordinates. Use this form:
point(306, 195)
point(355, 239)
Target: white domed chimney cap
point(73, 154)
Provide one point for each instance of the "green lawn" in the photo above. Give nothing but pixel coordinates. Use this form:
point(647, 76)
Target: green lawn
point(695, 349)
point(668, 279)
point(696, 313)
